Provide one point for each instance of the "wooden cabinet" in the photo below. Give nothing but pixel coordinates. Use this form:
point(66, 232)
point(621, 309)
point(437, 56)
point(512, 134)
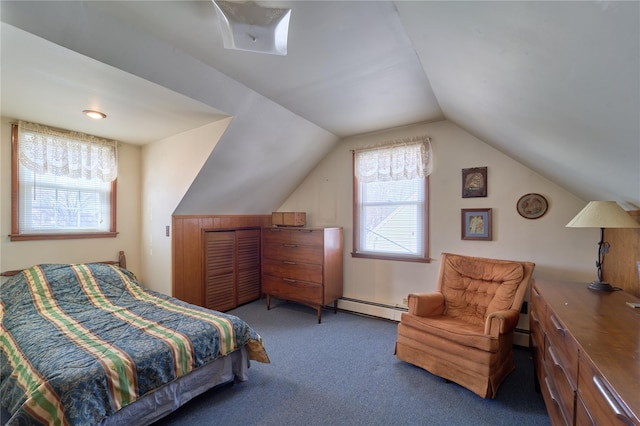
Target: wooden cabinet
point(192, 266)
point(302, 265)
point(585, 346)
point(232, 268)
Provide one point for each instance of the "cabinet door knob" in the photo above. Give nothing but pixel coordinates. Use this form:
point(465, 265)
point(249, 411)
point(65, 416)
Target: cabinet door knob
point(615, 407)
point(556, 324)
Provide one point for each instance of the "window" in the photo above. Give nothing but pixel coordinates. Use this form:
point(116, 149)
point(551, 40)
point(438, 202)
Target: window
point(63, 184)
point(390, 193)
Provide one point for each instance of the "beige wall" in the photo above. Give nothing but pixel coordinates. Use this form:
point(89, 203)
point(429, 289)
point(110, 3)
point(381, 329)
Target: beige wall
point(153, 179)
point(22, 254)
point(559, 252)
point(169, 167)
point(151, 182)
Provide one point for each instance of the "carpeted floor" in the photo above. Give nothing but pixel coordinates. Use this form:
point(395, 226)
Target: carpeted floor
point(343, 372)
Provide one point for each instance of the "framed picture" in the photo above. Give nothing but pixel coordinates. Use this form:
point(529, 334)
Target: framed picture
point(476, 224)
point(532, 206)
point(474, 182)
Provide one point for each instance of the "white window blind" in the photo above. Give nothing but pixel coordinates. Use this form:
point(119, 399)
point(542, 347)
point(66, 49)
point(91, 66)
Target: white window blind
point(64, 180)
point(391, 200)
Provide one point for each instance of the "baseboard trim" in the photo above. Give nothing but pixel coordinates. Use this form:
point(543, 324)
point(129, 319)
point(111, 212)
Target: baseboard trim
point(393, 313)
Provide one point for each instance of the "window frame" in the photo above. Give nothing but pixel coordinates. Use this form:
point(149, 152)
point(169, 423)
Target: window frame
point(356, 253)
point(15, 203)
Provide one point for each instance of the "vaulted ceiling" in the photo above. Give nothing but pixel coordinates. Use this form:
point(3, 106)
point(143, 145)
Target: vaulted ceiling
point(555, 85)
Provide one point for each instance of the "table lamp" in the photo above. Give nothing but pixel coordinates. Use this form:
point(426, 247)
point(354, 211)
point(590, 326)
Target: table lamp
point(602, 214)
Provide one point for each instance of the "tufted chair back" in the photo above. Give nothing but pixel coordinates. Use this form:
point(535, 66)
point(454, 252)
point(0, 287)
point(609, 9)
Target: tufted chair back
point(475, 287)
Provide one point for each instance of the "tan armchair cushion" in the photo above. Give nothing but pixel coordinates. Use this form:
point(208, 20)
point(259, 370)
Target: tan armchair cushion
point(473, 289)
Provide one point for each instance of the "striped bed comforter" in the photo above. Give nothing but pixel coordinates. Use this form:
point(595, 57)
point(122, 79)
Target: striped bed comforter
point(79, 342)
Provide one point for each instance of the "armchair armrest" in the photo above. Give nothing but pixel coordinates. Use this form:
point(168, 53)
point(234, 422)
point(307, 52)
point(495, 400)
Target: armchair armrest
point(501, 322)
point(426, 304)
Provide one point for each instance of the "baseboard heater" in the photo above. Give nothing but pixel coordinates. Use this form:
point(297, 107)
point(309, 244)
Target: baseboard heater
point(521, 336)
point(380, 305)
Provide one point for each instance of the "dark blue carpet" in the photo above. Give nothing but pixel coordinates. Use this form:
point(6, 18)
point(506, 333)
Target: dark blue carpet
point(343, 372)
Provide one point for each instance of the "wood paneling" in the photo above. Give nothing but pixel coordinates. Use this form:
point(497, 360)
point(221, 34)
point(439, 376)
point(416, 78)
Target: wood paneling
point(188, 280)
point(620, 267)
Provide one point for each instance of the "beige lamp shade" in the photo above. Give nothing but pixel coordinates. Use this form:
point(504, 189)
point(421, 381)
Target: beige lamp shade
point(603, 214)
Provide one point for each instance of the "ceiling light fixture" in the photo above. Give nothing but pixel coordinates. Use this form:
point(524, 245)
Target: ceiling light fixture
point(96, 115)
point(248, 26)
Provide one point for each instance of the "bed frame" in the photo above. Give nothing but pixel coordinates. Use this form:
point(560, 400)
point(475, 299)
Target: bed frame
point(166, 399)
point(122, 262)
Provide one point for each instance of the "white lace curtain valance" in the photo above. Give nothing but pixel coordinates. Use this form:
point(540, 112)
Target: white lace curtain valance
point(403, 159)
point(72, 154)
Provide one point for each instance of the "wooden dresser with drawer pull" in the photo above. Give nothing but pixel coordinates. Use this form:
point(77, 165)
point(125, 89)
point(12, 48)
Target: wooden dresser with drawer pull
point(303, 265)
point(586, 350)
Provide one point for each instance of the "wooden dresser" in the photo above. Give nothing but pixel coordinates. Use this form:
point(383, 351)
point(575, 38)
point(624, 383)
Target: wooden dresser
point(586, 349)
point(302, 265)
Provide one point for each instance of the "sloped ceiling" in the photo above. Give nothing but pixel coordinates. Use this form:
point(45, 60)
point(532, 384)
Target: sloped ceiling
point(554, 85)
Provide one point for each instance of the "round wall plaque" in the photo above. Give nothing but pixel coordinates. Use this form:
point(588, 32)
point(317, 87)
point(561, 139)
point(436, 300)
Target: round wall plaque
point(532, 206)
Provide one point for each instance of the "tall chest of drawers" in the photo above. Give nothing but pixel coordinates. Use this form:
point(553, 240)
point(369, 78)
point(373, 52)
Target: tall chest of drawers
point(585, 347)
point(303, 265)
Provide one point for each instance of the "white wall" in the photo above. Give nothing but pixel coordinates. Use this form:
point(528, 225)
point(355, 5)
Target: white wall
point(169, 167)
point(559, 252)
point(22, 254)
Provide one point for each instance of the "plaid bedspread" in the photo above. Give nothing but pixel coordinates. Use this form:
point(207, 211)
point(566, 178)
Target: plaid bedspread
point(79, 342)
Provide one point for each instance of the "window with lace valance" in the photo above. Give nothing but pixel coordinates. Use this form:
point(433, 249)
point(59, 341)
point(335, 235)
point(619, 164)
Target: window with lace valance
point(64, 183)
point(391, 199)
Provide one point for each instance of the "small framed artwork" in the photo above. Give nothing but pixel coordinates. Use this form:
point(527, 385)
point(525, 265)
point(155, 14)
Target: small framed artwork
point(474, 182)
point(532, 206)
point(476, 224)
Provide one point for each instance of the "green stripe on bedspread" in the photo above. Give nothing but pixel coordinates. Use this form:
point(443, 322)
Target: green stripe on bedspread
point(81, 341)
point(178, 343)
point(119, 367)
point(44, 403)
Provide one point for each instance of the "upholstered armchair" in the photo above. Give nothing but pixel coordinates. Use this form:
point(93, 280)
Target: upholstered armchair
point(463, 332)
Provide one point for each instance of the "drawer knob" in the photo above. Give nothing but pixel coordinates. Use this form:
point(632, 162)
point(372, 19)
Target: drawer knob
point(290, 245)
point(615, 407)
point(288, 262)
point(557, 325)
point(534, 318)
point(556, 363)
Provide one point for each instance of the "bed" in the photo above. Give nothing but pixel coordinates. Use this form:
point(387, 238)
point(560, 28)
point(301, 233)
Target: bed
point(88, 344)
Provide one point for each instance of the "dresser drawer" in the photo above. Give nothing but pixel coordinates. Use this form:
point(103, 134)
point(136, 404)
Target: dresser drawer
point(292, 269)
point(604, 405)
point(289, 289)
point(306, 236)
point(552, 401)
point(564, 390)
point(537, 339)
point(564, 348)
point(314, 237)
point(538, 307)
point(298, 254)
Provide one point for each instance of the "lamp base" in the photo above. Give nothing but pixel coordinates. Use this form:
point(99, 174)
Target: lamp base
point(600, 286)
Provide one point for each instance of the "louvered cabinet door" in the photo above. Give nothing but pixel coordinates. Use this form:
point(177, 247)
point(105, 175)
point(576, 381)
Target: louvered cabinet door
point(220, 270)
point(248, 265)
